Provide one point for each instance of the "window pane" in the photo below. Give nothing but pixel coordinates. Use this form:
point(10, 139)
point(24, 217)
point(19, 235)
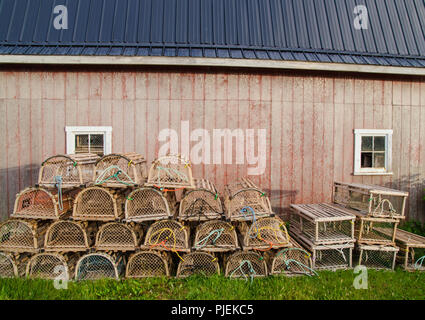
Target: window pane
point(379, 160)
point(81, 143)
point(366, 143)
point(96, 144)
point(366, 160)
point(379, 143)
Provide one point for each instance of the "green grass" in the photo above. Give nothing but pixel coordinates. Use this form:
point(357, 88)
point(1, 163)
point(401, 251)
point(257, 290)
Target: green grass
point(329, 285)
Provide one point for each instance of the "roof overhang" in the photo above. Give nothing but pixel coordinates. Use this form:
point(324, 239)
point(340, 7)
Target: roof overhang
point(209, 62)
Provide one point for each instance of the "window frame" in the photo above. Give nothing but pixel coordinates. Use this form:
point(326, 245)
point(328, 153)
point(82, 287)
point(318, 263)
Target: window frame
point(71, 132)
point(358, 134)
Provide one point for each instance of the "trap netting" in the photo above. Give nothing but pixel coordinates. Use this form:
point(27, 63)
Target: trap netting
point(377, 257)
point(51, 266)
point(148, 264)
point(244, 195)
point(98, 204)
point(171, 171)
point(118, 236)
point(412, 250)
point(292, 261)
point(66, 236)
point(376, 230)
point(68, 171)
point(146, 204)
point(370, 199)
point(322, 223)
point(94, 266)
point(201, 204)
point(22, 236)
point(38, 203)
point(168, 235)
point(201, 263)
point(332, 257)
point(8, 268)
point(120, 170)
point(246, 265)
point(215, 236)
point(264, 234)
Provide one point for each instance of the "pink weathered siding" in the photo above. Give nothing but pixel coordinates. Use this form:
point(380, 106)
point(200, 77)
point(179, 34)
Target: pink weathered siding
point(309, 120)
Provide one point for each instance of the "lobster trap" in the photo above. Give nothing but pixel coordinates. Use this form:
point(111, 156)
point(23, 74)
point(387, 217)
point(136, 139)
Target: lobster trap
point(198, 263)
point(51, 266)
point(215, 236)
point(372, 200)
point(202, 203)
point(146, 204)
point(171, 171)
point(377, 257)
point(67, 236)
point(292, 261)
point(8, 268)
point(120, 170)
point(99, 265)
point(322, 223)
point(168, 235)
point(264, 234)
point(148, 264)
point(22, 236)
point(69, 170)
point(245, 264)
point(245, 201)
point(412, 249)
point(370, 230)
point(39, 203)
point(98, 204)
point(116, 236)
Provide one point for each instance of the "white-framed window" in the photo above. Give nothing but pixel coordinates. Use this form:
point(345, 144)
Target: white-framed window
point(96, 140)
point(372, 152)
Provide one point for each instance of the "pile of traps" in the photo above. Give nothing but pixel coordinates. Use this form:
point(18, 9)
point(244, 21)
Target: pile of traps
point(92, 217)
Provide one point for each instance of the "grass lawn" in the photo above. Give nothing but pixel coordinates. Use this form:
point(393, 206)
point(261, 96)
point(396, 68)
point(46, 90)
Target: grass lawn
point(329, 285)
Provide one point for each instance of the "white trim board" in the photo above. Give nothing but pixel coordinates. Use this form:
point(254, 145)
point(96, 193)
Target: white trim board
point(209, 62)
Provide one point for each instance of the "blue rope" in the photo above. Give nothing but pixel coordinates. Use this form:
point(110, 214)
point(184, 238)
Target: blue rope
point(177, 173)
point(115, 175)
point(203, 242)
point(302, 265)
point(58, 185)
point(251, 270)
point(252, 218)
point(418, 266)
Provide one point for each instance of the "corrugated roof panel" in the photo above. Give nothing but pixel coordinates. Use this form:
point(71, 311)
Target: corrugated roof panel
point(313, 32)
point(156, 52)
point(323, 23)
point(170, 22)
point(375, 25)
point(119, 21)
point(81, 21)
point(130, 33)
point(266, 24)
point(236, 54)
point(223, 53)
point(94, 21)
point(368, 34)
point(254, 24)
point(183, 52)
point(303, 37)
point(334, 27)
point(42, 25)
point(230, 22)
point(210, 53)
point(194, 27)
point(344, 24)
point(396, 27)
point(243, 25)
point(207, 22)
point(289, 24)
point(277, 23)
point(408, 34)
point(249, 54)
point(418, 29)
point(170, 52)
point(6, 9)
point(67, 36)
point(182, 12)
point(16, 22)
point(196, 52)
point(359, 43)
point(218, 24)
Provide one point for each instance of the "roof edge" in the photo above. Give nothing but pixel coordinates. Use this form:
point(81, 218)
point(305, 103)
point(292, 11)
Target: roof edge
point(210, 62)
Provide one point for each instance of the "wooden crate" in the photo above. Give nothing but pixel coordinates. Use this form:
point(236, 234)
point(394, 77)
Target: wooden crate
point(201, 263)
point(215, 236)
point(75, 170)
point(377, 256)
point(373, 200)
point(120, 170)
point(370, 230)
point(244, 201)
point(148, 263)
point(200, 204)
point(245, 265)
point(22, 235)
point(407, 243)
point(322, 223)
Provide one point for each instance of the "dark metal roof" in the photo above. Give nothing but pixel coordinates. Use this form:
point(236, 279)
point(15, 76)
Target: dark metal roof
point(303, 30)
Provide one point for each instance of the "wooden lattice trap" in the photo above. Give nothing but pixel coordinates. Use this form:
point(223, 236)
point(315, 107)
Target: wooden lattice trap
point(120, 170)
point(171, 171)
point(369, 230)
point(148, 263)
point(245, 265)
point(168, 235)
point(201, 263)
point(264, 234)
point(70, 170)
point(215, 236)
point(243, 200)
point(22, 235)
point(67, 236)
point(377, 256)
point(372, 200)
point(8, 268)
point(98, 204)
point(293, 261)
point(322, 223)
point(116, 236)
point(146, 204)
point(39, 203)
point(99, 265)
point(51, 265)
point(202, 203)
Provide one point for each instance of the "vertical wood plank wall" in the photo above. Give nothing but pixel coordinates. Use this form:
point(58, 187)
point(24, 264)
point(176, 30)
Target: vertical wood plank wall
point(309, 121)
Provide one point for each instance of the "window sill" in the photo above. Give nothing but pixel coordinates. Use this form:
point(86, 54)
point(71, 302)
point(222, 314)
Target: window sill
point(373, 173)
